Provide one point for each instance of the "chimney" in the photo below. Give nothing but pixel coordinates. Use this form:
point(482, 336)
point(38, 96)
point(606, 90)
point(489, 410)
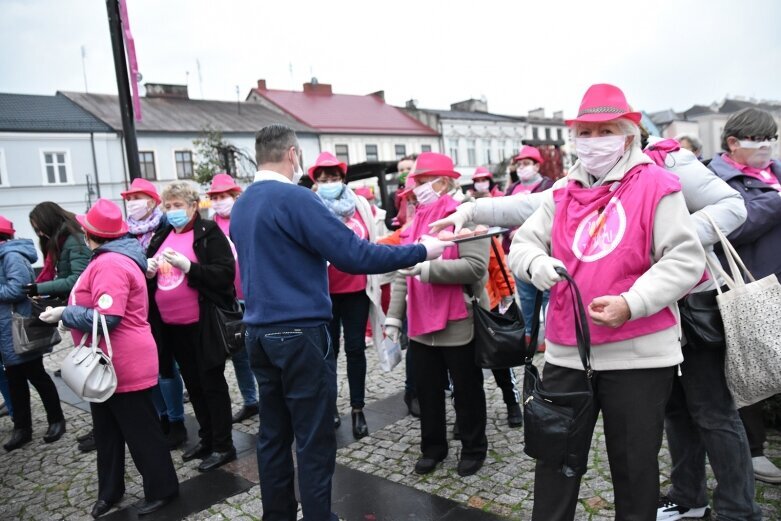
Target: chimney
point(164, 90)
point(559, 114)
point(470, 105)
point(411, 104)
point(380, 94)
point(262, 85)
point(315, 87)
point(537, 113)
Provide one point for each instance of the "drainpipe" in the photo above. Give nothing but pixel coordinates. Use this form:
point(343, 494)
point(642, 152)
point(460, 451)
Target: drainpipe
point(94, 162)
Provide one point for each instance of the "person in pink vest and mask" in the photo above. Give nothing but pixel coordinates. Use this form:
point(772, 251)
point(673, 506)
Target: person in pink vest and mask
point(223, 193)
point(440, 322)
point(620, 226)
point(483, 181)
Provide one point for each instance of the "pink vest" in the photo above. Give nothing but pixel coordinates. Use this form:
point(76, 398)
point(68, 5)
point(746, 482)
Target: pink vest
point(176, 300)
point(604, 237)
point(225, 225)
point(340, 282)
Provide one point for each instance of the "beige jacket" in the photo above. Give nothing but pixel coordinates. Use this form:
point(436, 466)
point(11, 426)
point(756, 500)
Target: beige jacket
point(471, 268)
point(677, 263)
point(376, 316)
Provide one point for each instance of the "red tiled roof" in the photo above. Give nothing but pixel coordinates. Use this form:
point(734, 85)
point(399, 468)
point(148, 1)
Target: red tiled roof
point(345, 113)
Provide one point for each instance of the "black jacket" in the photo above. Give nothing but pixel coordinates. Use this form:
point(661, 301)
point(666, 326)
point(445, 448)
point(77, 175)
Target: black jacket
point(212, 276)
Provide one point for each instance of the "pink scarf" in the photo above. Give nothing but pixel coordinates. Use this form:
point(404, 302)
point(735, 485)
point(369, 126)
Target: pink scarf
point(431, 306)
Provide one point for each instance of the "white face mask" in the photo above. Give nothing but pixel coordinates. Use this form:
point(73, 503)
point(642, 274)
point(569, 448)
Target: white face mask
point(599, 154)
point(137, 208)
point(482, 186)
point(762, 152)
point(527, 173)
point(425, 193)
point(223, 207)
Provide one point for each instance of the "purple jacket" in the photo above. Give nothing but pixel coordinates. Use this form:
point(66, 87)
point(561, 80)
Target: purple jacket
point(758, 240)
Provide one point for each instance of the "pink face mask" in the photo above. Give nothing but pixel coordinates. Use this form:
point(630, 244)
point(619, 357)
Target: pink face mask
point(527, 173)
point(599, 154)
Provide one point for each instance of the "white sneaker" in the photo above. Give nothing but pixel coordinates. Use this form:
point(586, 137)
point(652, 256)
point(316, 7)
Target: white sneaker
point(669, 511)
point(765, 470)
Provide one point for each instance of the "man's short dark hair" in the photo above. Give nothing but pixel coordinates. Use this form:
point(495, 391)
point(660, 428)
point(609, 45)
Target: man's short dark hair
point(272, 143)
point(749, 122)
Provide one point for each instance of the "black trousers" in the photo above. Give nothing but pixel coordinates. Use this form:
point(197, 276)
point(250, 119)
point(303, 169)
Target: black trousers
point(505, 380)
point(632, 404)
point(431, 367)
point(754, 422)
point(131, 418)
point(34, 373)
point(207, 387)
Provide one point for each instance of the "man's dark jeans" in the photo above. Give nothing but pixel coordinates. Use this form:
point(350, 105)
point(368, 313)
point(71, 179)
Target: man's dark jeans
point(701, 418)
point(296, 372)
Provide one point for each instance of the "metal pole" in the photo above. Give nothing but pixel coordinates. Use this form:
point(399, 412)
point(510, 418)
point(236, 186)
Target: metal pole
point(123, 86)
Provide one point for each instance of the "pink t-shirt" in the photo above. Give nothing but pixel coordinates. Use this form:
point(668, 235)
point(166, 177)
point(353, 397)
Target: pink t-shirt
point(176, 300)
point(524, 189)
point(763, 174)
point(225, 225)
point(339, 281)
point(115, 285)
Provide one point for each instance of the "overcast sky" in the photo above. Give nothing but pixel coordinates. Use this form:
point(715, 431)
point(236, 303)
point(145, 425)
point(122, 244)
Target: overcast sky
point(519, 55)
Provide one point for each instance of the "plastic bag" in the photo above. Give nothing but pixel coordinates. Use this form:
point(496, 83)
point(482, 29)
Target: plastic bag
point(389, 354)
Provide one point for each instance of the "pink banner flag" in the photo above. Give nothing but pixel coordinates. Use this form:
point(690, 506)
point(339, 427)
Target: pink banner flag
point(130, 49)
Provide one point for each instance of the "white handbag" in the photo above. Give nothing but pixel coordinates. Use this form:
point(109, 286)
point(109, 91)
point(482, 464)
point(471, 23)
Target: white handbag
point(751, 313)
point(87, 370)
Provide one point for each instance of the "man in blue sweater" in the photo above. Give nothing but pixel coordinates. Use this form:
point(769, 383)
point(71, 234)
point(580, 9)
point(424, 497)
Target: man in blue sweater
point(284, 236)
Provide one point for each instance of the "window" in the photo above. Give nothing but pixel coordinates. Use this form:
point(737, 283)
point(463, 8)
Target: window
point(558, 135)
point(452, 145)
point(502, 150)
point(425, 148)
point(535, 133)
point(401, 151)
point(184, 164)
point(55, 166)
point(471, 154)
point(342, 153)
point(148, 169)
point(487, 151)
point(547, 134)
point(371, 153)
point(3, 171)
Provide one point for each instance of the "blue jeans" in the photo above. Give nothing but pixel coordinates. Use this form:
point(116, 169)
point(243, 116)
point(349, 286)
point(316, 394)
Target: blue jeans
point(350, 312)
point(701, 418)
point(6, 392)
point(244, 377)
point(527, 293)
point(167, 396)
point(296, 370)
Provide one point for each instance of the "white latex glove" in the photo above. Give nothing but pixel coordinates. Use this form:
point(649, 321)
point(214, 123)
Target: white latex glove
point(464, 213)
point(177, 260)
point(151, 267)
point(52, 315)
point(413, 271)
point(394, 333)
point(543, 272)
point(434, 247)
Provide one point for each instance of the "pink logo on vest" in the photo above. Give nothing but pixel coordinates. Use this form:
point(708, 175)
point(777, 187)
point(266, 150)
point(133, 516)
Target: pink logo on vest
point(168, 277)
point(600, 232)
point(357, 227)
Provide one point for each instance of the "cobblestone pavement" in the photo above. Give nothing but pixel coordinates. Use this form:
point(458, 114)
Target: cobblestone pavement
point(55, 481)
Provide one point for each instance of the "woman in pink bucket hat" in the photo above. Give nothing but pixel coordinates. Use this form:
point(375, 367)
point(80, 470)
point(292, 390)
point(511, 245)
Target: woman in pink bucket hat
point(620, 227)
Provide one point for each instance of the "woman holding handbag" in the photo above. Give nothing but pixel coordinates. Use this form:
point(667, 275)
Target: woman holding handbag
point(16, 256)
point(440, 322)
point(191, 269)
point(618, 224)
point(114, 285)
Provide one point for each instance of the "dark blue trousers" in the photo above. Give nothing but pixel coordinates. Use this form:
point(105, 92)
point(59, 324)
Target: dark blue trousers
point(296, 371)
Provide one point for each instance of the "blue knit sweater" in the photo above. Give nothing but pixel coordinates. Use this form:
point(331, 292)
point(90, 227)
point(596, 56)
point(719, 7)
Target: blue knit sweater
point(284, 235)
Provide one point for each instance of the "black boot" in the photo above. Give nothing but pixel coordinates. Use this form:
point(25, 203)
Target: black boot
point(248, 411)
point(360, 429)
point(413, 406)
point(19, 437)
point(54, 432)
point(514, 416)
point(177, 434)
point(88, 443)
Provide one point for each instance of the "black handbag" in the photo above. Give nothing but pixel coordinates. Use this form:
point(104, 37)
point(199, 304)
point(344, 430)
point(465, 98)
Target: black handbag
point(31, 334)
point(499, 338)
point(229, 328)
point(557, 427)
point(701, 320)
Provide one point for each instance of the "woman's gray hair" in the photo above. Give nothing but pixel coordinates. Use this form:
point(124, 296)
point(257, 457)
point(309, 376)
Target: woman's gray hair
point(749, 122)
point(691, 138)
point(181, 190)
point(625, 127)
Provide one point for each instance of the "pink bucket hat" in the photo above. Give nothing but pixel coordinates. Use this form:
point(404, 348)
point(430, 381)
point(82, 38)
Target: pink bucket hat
point(482, 172)
point(604, 102)
point(365, 192)
point(434, 164)
point(223, 183)
point(327, 159)
point(104, 219)
point(142, 186)
point(528, 152)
